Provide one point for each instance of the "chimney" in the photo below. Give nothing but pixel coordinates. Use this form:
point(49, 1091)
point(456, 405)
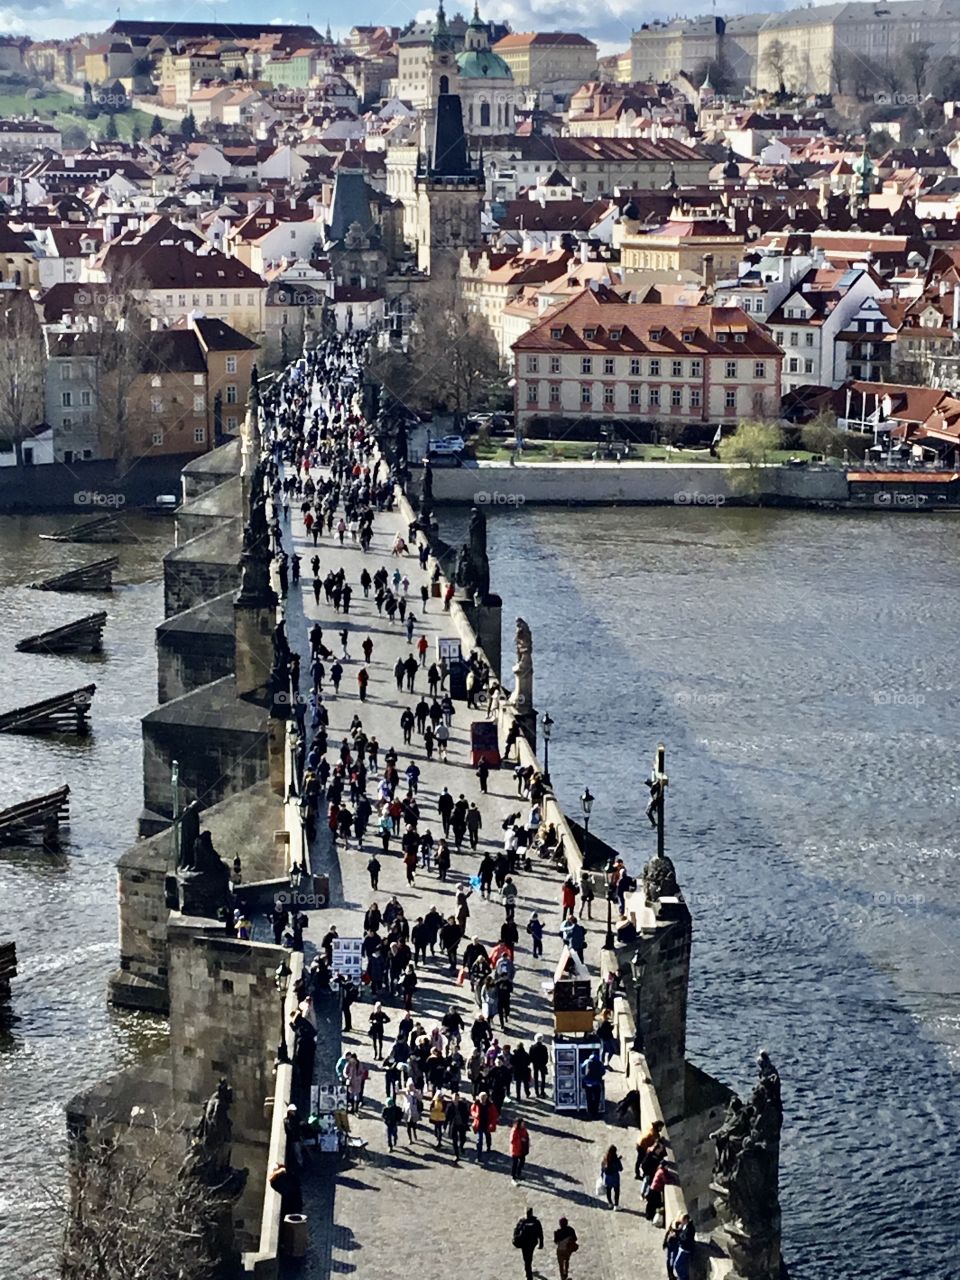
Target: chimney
point(584, 251)
point(708, 275)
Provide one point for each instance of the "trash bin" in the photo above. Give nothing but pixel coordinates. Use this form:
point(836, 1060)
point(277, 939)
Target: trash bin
point(321, 891)
point(295, 1235)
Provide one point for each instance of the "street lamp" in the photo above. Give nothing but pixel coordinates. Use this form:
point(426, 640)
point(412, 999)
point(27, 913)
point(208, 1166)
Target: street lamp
point(638, 965)
point(546, 724)
point(586, 804)
point(609, 941)
point(296, 875)
point(281, 980)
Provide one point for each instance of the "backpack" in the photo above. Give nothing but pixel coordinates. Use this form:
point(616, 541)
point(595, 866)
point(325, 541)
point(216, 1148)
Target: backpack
point(505, 968)
point(519, 1232)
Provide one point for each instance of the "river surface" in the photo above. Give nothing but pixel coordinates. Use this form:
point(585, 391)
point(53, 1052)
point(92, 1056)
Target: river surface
point(62, 909)
point(801, 670)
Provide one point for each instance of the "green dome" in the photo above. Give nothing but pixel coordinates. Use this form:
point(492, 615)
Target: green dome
point(482, 64)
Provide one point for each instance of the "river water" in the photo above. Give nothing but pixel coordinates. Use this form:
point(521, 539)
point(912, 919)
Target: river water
point(800, 668)
point(61, 909)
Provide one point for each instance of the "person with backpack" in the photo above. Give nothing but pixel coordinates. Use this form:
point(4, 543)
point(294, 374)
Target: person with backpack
point(519, 1149)
point(527, 1237)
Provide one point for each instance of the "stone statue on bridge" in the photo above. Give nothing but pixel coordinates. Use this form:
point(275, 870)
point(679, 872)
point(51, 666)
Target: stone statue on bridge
point(746, 1172)
point(203, 878)
point(210, 1185)
point(521, 699)
point(659, 880)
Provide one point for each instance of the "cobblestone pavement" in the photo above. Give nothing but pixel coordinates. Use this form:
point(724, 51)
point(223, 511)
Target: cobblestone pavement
point(413, 1212)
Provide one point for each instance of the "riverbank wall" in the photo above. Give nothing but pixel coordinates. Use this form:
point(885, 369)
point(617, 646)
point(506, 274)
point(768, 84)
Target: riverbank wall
point(222, 743)
point(89, 488)
point(497, 484)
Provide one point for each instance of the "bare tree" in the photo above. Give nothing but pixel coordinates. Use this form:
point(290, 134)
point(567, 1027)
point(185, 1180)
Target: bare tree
point(21, 368)
point(913, 63)
point(121, 345)
point(776, 58)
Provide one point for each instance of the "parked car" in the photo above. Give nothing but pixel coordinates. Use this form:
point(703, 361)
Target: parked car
point(446, 445)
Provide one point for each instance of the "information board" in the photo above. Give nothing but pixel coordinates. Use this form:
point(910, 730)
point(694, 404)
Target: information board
point(347, 957)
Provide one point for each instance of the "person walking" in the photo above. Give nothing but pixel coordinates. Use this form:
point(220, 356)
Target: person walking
point(373, 870)
point(474, 823)
point(539, 1057)
point(458, 1121)
point(611, 1167)
point(443, 737)
point(412, 1110)
point(363, 679)
point(391, 1115)
point(378, 1020)
point(566, 1243)
point(678, 1243)
point(527, 1237)
point(483, 773)
point(535, 930)
point(483, 1118)
point(519, 1149)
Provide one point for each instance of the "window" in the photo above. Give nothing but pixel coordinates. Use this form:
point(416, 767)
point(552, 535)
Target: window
point(586, 364)
point(156, 404)
point(608, 365)
point(634, 395)
point(67, 422)
point(676, 368)
point(656, 335)
point(195, 300)
point(808, 366)
point(779, 337)
point(676, 397)
point(654, 397)
point(66, 372)
point(730, 369)
point(739, 337)
point(808, 339)
point(688, 335)
point(199, 404)
point(793, 365)
point(721, 337)
point(181, 299)
point(231, 393)
point(236, 299)
point(608, 397)
point(556, 333)
point(794, 339)
point(654, 368)
point(231, 422)
point(66, 399)
point(856, 371)
point(533, 392)
point(157, 438)
point(615, 335)
point(730, 399)
point(85, 398)
point(696, 368)
point(634, 366)
point(759, 369)
point(694, 397)
point(590, 334)
point(554, 364)
point(249, 299)
point(199, 434)
point(586, 393)
point(554, 393)
point(532, 364)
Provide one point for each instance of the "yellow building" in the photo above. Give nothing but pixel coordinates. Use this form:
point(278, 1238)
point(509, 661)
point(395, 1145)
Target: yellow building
point(541, 57)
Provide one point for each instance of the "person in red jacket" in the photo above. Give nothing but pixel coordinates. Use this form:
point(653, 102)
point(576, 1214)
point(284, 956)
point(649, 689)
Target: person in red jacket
point(568, 897)
point(519, 1149)
point(484, 1117)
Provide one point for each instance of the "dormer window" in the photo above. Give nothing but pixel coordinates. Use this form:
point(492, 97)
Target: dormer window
point(589, 334)
point(739, 337)
point(556, 333)
point(615, 335)
point(688, 335)
point(656, 335)
point(721, 337)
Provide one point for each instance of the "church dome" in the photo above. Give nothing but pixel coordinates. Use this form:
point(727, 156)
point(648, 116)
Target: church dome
point(482, 64)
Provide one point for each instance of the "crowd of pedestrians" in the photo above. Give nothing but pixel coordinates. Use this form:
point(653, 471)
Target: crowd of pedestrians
point(451, 1081)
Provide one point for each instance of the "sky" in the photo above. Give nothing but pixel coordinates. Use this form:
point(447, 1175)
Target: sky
point(609, 22)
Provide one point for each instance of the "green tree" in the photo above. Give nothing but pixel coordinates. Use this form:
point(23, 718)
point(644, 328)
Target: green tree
point(822, 435)
point(110, 131)
point(750, 446)
point(914, 62)
point(188, 127)
point(156, 126)
point(135, 133)
point(775, 60)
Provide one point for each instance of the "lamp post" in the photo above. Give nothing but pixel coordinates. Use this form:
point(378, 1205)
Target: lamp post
point(281, 980)
point(586, 804)
point(546, 725)
point(609, 941)
point(637, 966)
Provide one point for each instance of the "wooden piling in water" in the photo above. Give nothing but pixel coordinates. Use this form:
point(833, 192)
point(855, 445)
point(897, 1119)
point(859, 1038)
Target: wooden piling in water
point(96, 576)
point(84, 635)
point(44, 813)
point(99, 529)
point(63, 713)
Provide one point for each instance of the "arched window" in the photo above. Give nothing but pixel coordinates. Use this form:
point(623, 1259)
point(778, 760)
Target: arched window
point(444, 84)
point(484, 115)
